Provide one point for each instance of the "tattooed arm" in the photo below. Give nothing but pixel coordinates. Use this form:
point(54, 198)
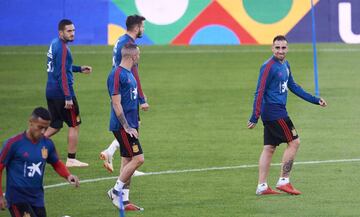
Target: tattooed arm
point(116, 103)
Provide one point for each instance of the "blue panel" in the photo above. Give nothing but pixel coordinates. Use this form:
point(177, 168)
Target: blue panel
point(214, 34)
point(327, 22)
point(24, 22)
point(116, 15)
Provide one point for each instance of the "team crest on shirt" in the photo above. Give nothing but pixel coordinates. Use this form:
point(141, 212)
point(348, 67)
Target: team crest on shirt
point(293, 131)
point(135, 148)
point(44, 152)
point(26, 214)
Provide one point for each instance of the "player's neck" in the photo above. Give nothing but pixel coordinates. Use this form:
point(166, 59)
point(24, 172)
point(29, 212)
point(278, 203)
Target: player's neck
point(133, 35)
point(63, 40)
point(30, 137)
point(280, 60)
point(126, 65)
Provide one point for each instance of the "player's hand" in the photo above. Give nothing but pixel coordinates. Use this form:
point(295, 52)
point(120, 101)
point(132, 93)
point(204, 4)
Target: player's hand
point(2, 202)
point(68, 104)
point(251, 125)
point(132, 132)
point(74, 180)
point(322, 102)
point(144, 106)
point(86, 69)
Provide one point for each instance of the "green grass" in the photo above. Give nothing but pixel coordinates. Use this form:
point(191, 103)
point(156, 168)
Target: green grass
point(201, 99)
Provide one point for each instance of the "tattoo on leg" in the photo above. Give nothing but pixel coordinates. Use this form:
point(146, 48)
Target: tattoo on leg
point(127, 185)
point(287, 167)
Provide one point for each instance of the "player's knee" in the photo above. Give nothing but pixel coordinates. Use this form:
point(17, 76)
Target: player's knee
point(295, 143)
point(269, 149)
point(140, 160)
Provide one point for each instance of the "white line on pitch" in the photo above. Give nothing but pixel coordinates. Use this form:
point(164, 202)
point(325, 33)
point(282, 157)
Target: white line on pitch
point(208, 169)
point(191, 51)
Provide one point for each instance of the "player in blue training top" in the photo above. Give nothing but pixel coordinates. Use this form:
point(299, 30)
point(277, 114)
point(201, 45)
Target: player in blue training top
point(124, 123)
point(135, 29)
point(60, 93)
point(270, 102)
point(24, 156)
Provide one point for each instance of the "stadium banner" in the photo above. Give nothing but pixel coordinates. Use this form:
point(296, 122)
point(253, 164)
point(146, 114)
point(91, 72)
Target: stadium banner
point(181, 22)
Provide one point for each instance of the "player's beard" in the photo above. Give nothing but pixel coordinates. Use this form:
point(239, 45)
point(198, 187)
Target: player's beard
point(69, 40)
point(139, 35)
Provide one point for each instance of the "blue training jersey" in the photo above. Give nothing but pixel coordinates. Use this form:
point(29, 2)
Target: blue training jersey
point(60, 68)
point(272, 89)
point(123, 40)
point(25, 167)
point(121, 81)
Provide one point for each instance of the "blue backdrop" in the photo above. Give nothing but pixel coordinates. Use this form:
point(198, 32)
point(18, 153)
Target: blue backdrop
point(34, 22)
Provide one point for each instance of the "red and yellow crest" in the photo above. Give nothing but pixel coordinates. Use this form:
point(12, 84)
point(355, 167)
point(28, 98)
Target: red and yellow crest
point(44, 152)
point(135, 148)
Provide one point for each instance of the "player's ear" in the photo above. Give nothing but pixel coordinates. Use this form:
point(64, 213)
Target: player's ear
point(30, 121)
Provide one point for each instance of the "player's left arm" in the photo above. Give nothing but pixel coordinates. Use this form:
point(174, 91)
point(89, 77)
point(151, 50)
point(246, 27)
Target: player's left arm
point(300, 92)
point(82, 69)
point(59, 166)
point(61, 169)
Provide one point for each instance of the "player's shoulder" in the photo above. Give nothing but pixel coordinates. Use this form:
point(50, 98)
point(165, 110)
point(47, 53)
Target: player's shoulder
point(47, 141)
point(287, 63)
point(114, 72)
point(269, 63)
point(56, 44)
point(56, 41)
point(125, 39)
point(14, 139)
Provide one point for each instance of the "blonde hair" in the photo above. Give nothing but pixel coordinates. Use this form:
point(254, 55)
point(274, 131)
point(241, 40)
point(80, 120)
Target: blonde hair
point(129, 50)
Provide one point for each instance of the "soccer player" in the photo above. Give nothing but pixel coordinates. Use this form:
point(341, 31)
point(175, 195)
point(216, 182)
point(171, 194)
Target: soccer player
point(60, 93)
point(135, 29)
point(24, 156)
point(123, 91)
point(270, 102)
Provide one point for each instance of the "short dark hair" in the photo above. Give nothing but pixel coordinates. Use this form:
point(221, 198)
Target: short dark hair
point(133, 20)
point(131, 46)
point(41, 112)
point(63, 23)
point(279, 38)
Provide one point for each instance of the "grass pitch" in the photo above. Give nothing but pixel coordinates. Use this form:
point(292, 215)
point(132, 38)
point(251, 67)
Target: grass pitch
point(200, 100)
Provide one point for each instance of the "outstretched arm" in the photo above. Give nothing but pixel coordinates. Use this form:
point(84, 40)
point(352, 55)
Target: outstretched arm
point(61, 169)
point(298, 91)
